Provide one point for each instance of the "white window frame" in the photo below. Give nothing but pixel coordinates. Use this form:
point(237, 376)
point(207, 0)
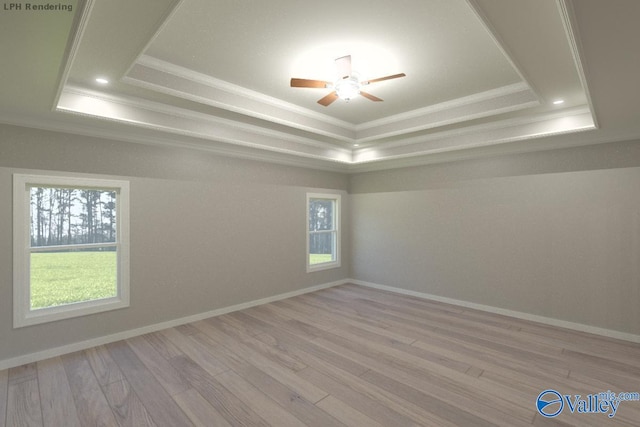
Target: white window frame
point(336, 230)
point(23, 315)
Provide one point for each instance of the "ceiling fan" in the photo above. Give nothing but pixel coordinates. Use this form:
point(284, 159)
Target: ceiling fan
point(346, 86)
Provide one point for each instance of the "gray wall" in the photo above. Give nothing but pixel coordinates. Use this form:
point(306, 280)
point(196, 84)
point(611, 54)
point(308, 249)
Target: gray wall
point(253, 248)
point(553, 234)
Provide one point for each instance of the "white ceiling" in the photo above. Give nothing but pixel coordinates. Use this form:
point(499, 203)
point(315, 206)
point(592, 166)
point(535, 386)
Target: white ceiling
point(481, 76)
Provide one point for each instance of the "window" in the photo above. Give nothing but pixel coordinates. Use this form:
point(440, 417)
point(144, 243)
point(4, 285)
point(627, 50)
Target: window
point(323, 237)
point(71, 247)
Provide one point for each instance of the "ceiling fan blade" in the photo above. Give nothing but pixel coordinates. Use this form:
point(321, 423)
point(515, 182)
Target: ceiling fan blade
point(343, 67)
point(328, 99)
point(379, 79)
point(309, 83)
point(369, 96)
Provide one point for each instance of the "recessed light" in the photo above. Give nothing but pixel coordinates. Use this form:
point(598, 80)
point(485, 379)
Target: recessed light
point(558, 102)
point(356, 145)
point(102, 80)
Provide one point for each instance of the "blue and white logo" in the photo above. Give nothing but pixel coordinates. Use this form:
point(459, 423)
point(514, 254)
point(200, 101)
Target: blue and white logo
point(550, 403)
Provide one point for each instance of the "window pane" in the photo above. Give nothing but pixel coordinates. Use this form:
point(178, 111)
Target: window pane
point(67, 216)
point(322, 248)
point(65, 277)
point(321, 214)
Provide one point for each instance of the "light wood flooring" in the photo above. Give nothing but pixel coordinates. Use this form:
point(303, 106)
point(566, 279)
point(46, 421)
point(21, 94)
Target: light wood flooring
point(347, 355)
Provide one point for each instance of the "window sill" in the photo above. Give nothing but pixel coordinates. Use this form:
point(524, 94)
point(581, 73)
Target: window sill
point(323, 266)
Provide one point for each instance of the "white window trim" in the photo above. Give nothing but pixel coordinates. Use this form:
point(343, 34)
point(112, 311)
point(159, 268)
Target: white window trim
point(336, 218)
point(22, 313)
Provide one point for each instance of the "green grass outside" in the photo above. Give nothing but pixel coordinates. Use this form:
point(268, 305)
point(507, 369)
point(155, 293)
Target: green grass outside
point(319, 258)
point(68, 277)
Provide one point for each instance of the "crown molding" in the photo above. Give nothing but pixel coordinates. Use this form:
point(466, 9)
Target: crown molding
point(78, 28)
point(490, 150)
point(146, 105)
point(565, 8)
point(493, 127)
point(158, 117)
point(508, 131)
point(501, 100)
point(446, 105)
point(170, 79)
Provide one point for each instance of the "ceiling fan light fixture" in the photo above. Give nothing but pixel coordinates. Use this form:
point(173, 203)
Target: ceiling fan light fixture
point(347, 88)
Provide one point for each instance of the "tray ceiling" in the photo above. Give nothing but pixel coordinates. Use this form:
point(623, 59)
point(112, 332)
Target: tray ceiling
point(214, 75)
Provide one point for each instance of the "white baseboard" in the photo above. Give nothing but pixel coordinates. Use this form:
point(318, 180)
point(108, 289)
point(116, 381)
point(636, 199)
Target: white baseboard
point(610, 333)
point(83, 345)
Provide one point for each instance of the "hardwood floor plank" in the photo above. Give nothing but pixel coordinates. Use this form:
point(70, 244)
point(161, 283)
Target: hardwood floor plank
point(493, 336)
point(234, 410)
point(340, 321)
point(195, 351)
point(541, 421)
point(605, 364)
point(475, 353)
point(311, 353)
point(23, 373)
point(287, 323)
point(58, 407)
point(345, 310)
point(355, 384)
point(162, 345)
point(23, 397)
point(456, 414)
point(450, 385)
point(345, 413)
point(104, 368)
point(4, 383)
point(486, 346)
point(163, 409)
point(158, 365)
point(310, 317)
point(482, 358)
point(286, 376)
point(299, 346)
point(273, 413)
point(625, 352)
point(583, 340)
point(264, 349)
point(368, 402)
point(199, 411)
point(240, 326)
point(91, 404)
point(126, 406)
point(354, 292)
point(281, 386)
point(412, 352)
